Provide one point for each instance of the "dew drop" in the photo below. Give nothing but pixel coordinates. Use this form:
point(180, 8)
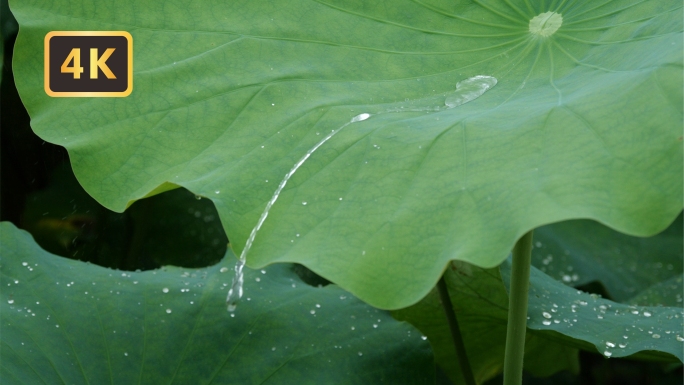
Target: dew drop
point(165, 290)
point(168, 311)
point(546, 322)
point(223, 269)
point(607, 353)
point(656, 336)
point(647, 314)
point(546, 315)
point(610, 344)
point(304, 203)
point(10, 301)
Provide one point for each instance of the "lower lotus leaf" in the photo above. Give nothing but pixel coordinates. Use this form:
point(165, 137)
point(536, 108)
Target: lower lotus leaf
point(582, 251)
point(481, 305)
point(614, 329)
point(65, 321)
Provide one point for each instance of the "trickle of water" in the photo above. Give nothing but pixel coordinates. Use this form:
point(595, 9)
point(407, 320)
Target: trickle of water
point(466, 90)
point(470, 89)
point(235, 292)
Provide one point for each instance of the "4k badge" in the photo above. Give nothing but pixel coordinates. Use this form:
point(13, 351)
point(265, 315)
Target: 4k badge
point(88, 63)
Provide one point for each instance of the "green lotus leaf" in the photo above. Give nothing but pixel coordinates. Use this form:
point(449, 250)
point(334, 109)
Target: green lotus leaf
point(579, 252)
point(584, 122)
point(65, 321)
point(614, 329)
point(481, 305)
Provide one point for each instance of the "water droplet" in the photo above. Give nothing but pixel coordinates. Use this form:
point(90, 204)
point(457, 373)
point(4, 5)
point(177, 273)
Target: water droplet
point(469, 89)
point(257, 279)
point(168, 311)
point(198, 197)
point(545, 24)
point(312, 311)
point(647, 314)
point(10, 301)
point(318, 305)
point(622, 346)
point(375, 326)
point(165, 290)
point(273, 349)
point(546, 322)
point(126, 354)
point(636, 312)
point(304, 203)
point(423, 338)
point(610, 344)
point(223, 269)
point(219, 191)
point(546, 315)
point(680, 338)
point(360, 117)
point(656, 336)
point(24, 264)
point(360, 354)
point(607, 353)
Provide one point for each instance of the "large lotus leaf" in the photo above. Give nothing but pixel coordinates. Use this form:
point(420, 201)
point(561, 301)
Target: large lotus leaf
point(228, 96)
point(579, 252)
point(65, 321)
point(481, 305)
point(614, 329)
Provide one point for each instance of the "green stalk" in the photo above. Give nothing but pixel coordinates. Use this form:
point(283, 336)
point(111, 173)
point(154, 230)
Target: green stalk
point(455, 332)
point(517, 311)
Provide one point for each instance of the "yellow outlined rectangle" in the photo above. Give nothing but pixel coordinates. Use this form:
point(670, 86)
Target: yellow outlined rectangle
point(124, 93)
